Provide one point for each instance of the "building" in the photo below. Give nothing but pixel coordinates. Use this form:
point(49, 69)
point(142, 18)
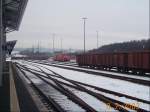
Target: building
point(11, 13)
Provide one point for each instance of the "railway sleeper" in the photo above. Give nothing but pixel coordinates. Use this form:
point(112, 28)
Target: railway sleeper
point(138, 109)
point(97, 88)
point(69, 94)
point(47, 99)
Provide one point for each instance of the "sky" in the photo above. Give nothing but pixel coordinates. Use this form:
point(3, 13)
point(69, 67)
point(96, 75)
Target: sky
point(115, 21)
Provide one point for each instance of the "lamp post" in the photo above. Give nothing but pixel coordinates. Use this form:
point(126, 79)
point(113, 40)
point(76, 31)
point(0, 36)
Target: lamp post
point(61, 45)
point(84, 19)
point(53, 43)
point(97, 39)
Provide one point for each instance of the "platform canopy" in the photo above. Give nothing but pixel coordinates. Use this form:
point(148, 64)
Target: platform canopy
point(10, 46)
point(13, 13)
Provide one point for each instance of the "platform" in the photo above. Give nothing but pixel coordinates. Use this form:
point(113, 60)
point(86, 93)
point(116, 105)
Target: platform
point(16, 95)
point(5, 91)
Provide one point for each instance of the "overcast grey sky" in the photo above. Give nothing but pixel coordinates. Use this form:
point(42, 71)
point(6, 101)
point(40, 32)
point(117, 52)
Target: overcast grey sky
point(116, 21)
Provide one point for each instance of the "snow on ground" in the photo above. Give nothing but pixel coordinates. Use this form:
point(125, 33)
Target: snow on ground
point(61, 99)
point(28, 65)
point(122, 99)
point(92, 101)
point(125, 87)
point(117, 85)
point(107, 72)
point(139, 91)
point(100, 71)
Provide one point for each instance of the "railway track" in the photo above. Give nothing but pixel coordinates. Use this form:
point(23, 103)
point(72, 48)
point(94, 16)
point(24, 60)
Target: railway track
point(49, 102)
point(65, 88)
point(66, 92)
point(125, 78)
point(61, 89)
point(97, 88)
point(74, 64)
point(94, 87)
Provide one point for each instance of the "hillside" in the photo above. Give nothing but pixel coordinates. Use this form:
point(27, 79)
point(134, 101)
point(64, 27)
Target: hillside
point(125, 46)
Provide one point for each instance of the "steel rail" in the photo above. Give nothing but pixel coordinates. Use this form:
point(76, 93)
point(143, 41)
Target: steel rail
point(66, 92)
point(87, 85)
point(49, 100)
point(99, 96)
point(129, 79)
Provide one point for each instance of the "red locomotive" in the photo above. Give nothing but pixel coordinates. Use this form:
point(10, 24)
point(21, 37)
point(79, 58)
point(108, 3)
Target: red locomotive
point(61, 57)
point(137, 62)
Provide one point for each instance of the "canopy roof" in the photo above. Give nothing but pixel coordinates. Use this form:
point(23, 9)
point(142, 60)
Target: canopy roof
point(10, 46)
point(13, 13)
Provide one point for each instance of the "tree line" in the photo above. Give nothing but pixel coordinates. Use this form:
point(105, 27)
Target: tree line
point(134, 45)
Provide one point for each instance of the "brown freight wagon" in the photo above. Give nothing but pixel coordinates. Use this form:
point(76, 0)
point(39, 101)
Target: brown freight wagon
point(78, 60)
point(90, 60)
point(107, 60)
point(139, 61)
point(123, 61)
point(84, 59)
point(116, 60)
point(81, 60)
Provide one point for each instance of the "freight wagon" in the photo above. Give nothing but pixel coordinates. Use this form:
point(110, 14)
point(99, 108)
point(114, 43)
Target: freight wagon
point(61, 57)
point(137, 62)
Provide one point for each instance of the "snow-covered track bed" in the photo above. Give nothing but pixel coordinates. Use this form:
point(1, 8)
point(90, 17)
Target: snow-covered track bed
point(114, 71)
point(133, 79)
point(55, 95)
point(109, 97)
point(106, 71)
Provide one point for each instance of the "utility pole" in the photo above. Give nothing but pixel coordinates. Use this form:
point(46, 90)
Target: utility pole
point(38, 47)
point(61, 45)
point(53, 43)
point(33, 49)
point(1, 41)
point(84, 19)
point(97, 39)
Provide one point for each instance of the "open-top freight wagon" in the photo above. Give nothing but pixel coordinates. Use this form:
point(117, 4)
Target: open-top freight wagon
point(137, 62)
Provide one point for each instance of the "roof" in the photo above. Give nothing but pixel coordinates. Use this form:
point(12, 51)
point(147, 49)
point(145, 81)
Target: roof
point(13, 13)
point(10, 46)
